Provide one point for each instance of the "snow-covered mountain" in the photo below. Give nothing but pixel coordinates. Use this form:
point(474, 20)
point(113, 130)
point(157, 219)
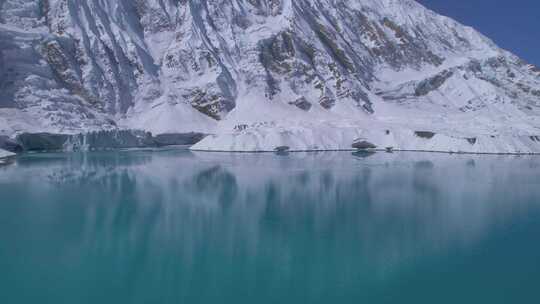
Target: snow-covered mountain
point(258, 74)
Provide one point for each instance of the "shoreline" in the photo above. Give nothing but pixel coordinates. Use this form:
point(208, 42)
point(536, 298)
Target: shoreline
point(385, 142)
point(367, 151)
point(188, 148)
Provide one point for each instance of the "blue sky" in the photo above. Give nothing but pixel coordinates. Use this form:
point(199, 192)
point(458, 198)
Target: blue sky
point(513, 24)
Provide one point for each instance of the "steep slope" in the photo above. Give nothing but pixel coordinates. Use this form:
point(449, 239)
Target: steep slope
point(258, 74)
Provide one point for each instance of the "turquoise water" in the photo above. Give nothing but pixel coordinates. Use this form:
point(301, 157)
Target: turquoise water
point(171, 226)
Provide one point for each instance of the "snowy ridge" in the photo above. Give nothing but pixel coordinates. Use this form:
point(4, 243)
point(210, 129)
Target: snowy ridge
point(310, 75)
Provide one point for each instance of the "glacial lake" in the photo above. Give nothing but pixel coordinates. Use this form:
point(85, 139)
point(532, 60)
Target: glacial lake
point(174, 226)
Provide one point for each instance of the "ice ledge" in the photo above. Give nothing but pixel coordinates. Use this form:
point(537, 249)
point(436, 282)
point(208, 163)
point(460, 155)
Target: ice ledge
point(325, 138)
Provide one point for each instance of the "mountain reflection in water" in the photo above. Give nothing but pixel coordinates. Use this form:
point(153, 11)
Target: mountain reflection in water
point(143, 226)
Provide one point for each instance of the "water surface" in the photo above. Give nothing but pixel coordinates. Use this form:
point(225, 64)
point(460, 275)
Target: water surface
point(172, 226)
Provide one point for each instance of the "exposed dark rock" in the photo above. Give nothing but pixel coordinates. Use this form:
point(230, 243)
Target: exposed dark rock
point(240, 128)
point(302, 104)
point(54, 53)
point(329, 40)
point(282, 149)
point(275, 52)
point(208, 103)
point(368, 108)
point(275, 55)
point(390, 149)
point(525, 88)
point(472, 141)
point(433, 83)
point(425, 134)
point(535, 138)
point(363, 145)
point(327, 101)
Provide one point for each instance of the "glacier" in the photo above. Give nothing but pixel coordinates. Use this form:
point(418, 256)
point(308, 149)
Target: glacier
point(260, 74)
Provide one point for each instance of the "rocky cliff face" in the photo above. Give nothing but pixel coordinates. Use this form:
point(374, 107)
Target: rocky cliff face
point(264, 73)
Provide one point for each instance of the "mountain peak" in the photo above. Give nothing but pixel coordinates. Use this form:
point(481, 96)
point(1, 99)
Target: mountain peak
point(305, 74)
